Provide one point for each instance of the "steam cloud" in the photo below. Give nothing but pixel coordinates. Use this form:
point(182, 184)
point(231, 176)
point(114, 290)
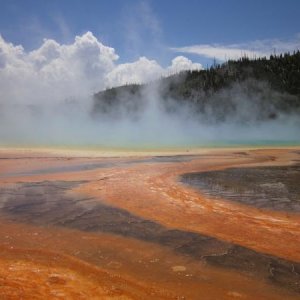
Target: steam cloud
point(46, 98)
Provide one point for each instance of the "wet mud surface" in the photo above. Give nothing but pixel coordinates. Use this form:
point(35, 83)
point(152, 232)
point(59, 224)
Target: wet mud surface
point(125, 228)
point(87, 166)
point(51, 203)
point(276, 188)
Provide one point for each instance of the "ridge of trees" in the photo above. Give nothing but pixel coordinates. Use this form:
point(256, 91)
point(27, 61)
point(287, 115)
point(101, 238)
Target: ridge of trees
point(274, 81)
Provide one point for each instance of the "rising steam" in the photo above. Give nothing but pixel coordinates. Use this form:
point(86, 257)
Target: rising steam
point(46, 99)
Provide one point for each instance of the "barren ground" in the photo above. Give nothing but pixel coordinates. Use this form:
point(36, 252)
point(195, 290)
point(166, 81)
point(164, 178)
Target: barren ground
point(213, 224)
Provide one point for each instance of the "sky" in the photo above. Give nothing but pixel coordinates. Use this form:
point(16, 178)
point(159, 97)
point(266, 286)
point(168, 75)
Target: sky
point(157, 29)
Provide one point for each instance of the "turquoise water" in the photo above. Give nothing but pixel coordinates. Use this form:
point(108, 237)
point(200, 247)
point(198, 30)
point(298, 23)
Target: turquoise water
point(160, 146)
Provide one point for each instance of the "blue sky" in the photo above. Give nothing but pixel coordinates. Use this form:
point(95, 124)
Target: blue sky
point(156, 29)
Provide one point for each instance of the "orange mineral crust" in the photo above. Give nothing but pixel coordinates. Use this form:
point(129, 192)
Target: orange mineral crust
point(129, 227)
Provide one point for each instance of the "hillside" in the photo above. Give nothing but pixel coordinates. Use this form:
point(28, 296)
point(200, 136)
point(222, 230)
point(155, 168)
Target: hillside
point(245, 90)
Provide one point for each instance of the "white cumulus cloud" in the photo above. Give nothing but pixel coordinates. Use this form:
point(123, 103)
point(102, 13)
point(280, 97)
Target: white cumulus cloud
point(55, 72)
point(181, 63)
point(140, 71)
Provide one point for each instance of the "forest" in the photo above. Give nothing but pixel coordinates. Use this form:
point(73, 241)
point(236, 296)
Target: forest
point(244, 90)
